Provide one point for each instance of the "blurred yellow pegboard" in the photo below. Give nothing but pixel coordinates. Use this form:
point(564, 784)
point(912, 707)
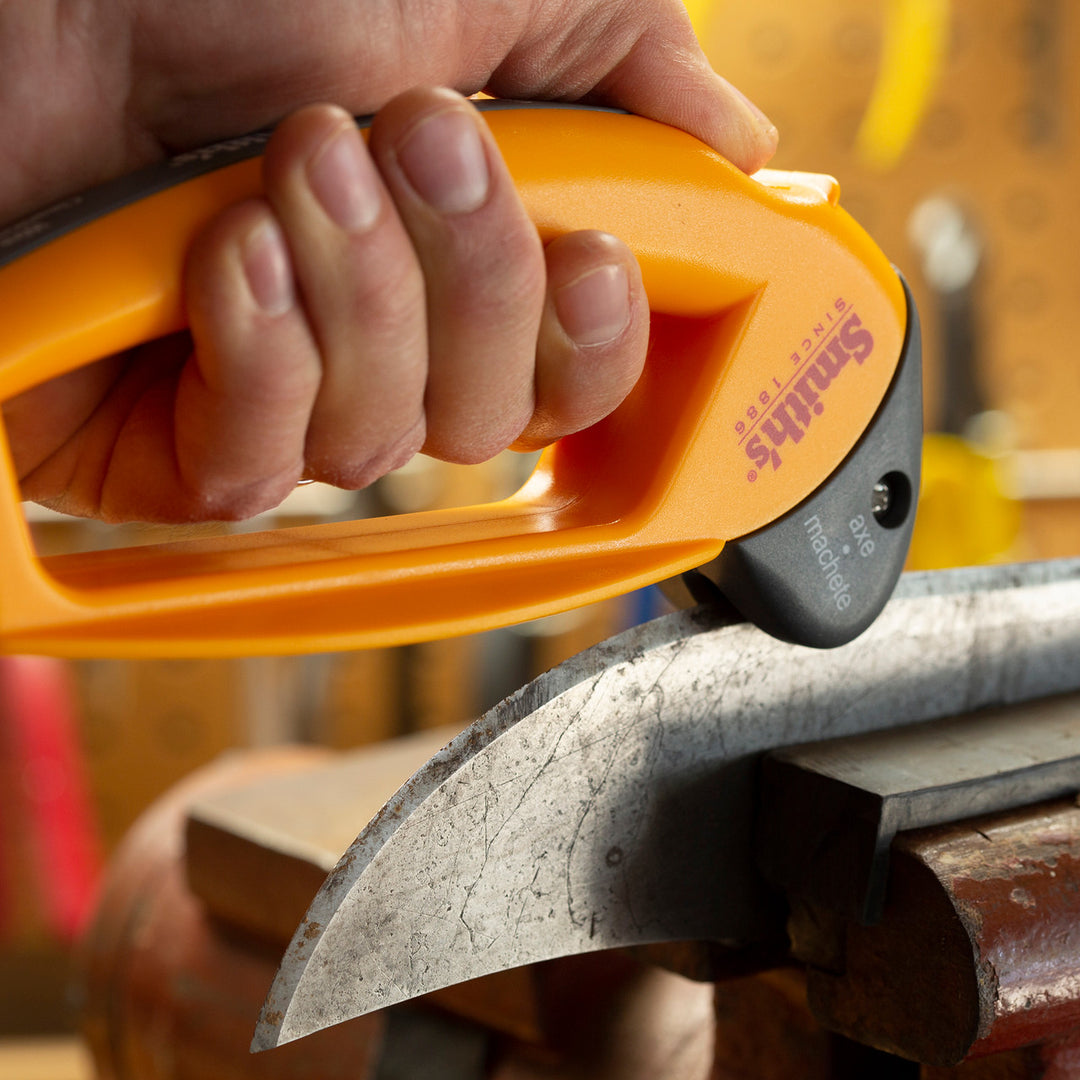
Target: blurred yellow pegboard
point(998, 134)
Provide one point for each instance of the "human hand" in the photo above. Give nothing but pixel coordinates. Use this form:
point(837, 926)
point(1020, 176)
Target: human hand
point(374, 303)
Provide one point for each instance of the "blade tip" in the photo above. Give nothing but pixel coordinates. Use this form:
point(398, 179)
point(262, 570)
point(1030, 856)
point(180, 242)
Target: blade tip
point(269, 1033)
point(265, 1038)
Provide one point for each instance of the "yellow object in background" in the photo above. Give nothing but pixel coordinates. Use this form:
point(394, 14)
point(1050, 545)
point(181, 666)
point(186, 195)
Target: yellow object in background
point(699, 12)
point(964, 515)
point(916, 32)
point(915, 36)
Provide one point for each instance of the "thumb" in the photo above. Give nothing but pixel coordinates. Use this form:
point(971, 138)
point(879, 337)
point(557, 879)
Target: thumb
point(665, 76)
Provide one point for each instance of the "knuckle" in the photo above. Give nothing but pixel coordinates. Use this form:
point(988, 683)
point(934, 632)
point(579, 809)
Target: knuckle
point(576, 395)
point(504, 272)
point(222, 499)
point(386, 294)
point(353, 467)
point(472, 441)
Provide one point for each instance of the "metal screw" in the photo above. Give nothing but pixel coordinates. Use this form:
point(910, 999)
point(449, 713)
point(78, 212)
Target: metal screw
point(881, 499)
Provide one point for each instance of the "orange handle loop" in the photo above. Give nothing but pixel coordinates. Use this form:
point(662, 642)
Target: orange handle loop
point(777, 325)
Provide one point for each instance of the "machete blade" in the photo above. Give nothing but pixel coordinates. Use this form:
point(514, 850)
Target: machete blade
point(609, 802)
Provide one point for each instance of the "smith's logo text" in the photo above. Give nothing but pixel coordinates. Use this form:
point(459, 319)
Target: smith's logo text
point(790, 418)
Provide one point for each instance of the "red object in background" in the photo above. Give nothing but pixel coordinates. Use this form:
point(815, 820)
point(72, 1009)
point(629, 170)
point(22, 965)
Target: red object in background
point(48, 795)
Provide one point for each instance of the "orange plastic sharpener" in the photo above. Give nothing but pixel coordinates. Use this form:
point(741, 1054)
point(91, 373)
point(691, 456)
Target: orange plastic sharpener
point(750, 280)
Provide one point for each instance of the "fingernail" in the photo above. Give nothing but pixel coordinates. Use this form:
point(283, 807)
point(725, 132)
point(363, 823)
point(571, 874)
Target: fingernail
point(595, 308)
point(266, 266)
point(444, 160)
point(344, 181)
point(766, 125)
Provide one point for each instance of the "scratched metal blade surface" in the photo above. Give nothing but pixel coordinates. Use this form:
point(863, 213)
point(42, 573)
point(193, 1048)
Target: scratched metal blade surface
point(608, 803)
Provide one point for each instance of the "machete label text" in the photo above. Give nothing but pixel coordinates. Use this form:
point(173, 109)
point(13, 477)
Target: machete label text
point(837, 584)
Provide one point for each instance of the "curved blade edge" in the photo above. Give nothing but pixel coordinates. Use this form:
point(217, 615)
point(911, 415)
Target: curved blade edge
point(608, 802)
